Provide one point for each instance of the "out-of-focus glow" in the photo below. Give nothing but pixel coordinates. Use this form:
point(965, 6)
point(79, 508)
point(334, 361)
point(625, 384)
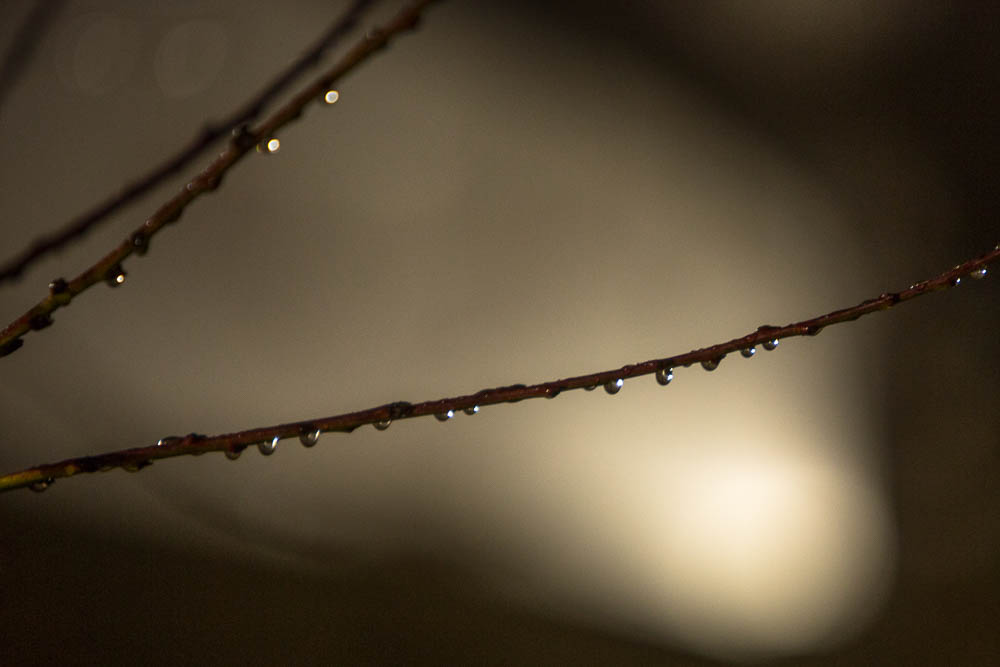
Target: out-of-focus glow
point(120, 278)
point(273, 145)
point(769, 552)
point(331, 97)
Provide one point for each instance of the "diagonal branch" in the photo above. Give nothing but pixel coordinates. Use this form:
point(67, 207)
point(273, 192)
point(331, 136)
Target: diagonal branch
point(41, 477)
point(108, 269)
point(82, 224)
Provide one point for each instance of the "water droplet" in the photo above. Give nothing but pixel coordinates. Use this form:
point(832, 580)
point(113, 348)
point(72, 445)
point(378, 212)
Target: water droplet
point(135, 466)
point(590, 387)
point(140, 242)
point(614, 386)
point(310, 438)
point(955, 282)
point(40, 321)
point(664, 376)
point(471, 411)
point(233, 454)
point(270, 146)
point(711, 364)
point(445, 416)
point(748, 352)
point(169, 440)
point(552, 393)
point(979, 273)
point(770, 344)
point(382, 425)
point(41, 484)
point(115, 276)
point(331, 97)
point(268, 446)
point(58, 286)
point(10, 346)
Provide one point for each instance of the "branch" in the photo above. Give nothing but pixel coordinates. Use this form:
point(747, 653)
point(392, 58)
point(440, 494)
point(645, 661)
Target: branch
point(83, 223)
point(266, 438)
point(109, 268)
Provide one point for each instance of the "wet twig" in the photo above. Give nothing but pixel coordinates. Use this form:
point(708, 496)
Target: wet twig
point(41, 476)
point(83, 223)
point(109, 268)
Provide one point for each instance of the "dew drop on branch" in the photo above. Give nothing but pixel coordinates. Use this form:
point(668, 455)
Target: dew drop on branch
point(309, 438)
point(233, 454)
point(115, 276)
point(664, 376)
point(445, 416)
point(614, 386)
point(771, 344)
point(979, 273)
point(268, 446)
point(382, 425)
point(272, 145)
point(471, 411)
point(41, 484)
point(748, 352)
point(711, 364)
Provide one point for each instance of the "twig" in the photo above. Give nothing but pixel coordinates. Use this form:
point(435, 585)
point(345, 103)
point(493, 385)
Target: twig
point(62, 292)
point(212, 131)
point(42, 476)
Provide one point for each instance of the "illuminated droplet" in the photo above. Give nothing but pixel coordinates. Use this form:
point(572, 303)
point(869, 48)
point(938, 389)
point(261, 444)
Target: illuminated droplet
point(115, 277)
point(169, 440)
point(41, 484)
point(331, 97)
point(233, 454)
point(309, 438)
point(614, 386)
point(270, 146)
point(58, 286)
point(445, 416)
point(955, 282)
point(382, 425)
point(979, 273)
point(664, 376)
point(748, 352)
point(711, 364)
point(770, 344)
point(268, 446)
point(474, 410)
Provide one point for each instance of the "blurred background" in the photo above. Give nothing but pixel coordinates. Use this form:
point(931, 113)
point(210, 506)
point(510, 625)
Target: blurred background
point(518, 191)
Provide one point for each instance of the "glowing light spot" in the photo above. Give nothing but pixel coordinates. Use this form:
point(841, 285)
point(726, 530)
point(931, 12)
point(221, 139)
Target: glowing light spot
point(331, 97)
point(273, 145)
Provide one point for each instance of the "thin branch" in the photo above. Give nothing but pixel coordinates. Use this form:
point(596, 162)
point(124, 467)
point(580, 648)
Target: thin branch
point(22, 49)
point(41, 477)
point(109, 269)
point(212, 131)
